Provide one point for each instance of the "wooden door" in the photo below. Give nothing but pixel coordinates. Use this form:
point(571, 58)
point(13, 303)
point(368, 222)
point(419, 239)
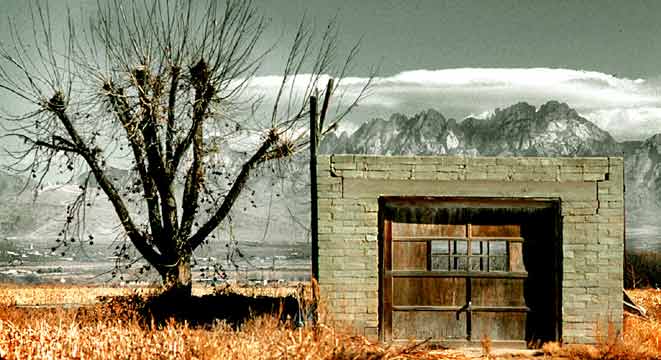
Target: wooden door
point(452, 283)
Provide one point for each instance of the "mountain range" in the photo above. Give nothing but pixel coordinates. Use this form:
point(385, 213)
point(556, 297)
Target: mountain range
point(519, 130)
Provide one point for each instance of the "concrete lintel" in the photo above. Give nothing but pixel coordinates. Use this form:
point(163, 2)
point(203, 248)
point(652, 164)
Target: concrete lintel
point(372, 188)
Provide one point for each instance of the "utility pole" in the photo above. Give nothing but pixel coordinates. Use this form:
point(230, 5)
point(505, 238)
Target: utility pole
point(317, 120)
point(314, 211)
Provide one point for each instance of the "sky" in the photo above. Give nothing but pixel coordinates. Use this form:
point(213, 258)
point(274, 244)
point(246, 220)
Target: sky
point(615, 37)
point(467, 57)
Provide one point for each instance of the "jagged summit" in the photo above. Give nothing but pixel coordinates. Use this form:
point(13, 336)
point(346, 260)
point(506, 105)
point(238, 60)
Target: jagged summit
point(555, 129)
point(427, 132)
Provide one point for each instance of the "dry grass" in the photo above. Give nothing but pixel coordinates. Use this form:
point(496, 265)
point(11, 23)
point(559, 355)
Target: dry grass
point(115, 330)
point(641, 338)
point(11, 294)
point(63, 336)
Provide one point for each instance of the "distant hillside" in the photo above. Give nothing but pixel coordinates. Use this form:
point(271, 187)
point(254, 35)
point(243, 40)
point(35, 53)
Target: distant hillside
point(643, 178)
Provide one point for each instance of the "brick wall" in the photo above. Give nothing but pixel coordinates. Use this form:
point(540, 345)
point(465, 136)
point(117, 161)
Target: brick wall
point(591, 191)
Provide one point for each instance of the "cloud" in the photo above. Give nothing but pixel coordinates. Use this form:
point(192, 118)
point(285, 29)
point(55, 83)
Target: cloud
point(628, 123)
point(628, 108)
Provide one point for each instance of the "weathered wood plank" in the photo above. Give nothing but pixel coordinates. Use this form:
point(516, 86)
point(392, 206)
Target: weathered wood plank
point(497, 292)
point(516, 257)
point(496, 231)
point(424, 325)
point(429, 291)
point(459, 274)
point(499, 325)
point(457, 308)
point(409, 255)
point(403, 230)
point(387, 281)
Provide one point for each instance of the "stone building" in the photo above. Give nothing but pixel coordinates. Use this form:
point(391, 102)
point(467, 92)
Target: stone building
point(454, 248)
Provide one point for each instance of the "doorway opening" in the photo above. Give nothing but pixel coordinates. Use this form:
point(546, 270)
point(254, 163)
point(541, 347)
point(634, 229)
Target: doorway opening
point(456, 270)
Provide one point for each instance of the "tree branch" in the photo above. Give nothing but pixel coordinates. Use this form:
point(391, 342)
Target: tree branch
point(194, 180)
point(169, 141)
point(157, 168)
point(239, 183)
point(56, 106)
point(121, 108)
point(149, 105)
point(203, 93)
point(67, 147)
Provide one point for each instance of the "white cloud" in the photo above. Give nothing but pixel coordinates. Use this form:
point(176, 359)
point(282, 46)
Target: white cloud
point(628, 123)
point(579, 88)
point(628, 108)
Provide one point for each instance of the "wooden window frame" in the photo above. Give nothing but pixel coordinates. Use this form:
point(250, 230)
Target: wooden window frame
point(453, 256)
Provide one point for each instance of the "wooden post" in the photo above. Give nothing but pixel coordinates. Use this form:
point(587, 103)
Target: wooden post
point(316, 127)
point(324, 107)
point(314, 138)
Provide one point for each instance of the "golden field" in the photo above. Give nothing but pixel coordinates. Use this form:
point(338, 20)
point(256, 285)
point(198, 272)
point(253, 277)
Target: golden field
point(22, 295)
point(115, 330)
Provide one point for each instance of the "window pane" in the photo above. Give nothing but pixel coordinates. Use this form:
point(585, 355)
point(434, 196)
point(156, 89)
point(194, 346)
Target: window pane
point(477, 247)
point(440, 263)
point(477, 263)
point(497, 248)
point(497, 263)
point(462, 248)
point(460, 263)
point(440, 247)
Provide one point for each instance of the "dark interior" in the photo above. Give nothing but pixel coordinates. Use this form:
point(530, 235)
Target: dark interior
point(541, 227)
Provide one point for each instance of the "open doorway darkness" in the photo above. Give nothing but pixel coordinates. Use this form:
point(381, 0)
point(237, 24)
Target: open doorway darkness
point(541, 228)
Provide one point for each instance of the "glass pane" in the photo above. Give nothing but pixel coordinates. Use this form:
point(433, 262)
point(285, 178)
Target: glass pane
point(440, 263)
point(497, 248)
point(477, 263)
point(497, 263)
point(460, 263)
point(440, 247)
point(461, 247)
point(477, 247)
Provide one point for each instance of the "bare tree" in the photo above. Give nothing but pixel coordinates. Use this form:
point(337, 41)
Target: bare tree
point(153, 82)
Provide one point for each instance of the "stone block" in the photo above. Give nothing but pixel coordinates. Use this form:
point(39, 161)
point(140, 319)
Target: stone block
point(456, 160)
point(594, 176)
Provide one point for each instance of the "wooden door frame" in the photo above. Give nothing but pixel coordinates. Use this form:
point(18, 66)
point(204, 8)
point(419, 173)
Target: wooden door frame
point(385, 306)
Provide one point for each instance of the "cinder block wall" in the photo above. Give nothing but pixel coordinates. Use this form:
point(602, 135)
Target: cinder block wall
point(591, 191)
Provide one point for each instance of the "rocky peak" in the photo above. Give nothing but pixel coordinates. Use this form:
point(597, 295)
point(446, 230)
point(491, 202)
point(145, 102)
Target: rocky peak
point(521, 110)
point(654, 142)
point(432, 115)
point(426, 121)
point(556, 110)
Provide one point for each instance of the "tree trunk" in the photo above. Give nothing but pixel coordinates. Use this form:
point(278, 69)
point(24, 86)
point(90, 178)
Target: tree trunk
point(178, 279)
